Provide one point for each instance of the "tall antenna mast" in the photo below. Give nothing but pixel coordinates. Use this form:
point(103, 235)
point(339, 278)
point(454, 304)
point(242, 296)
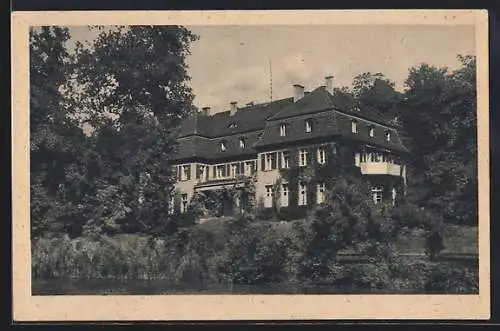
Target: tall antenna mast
point(270, 80)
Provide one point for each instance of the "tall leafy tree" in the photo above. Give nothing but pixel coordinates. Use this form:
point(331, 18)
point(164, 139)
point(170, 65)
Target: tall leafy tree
point(440, 115)
point(134, 94)
point(55, 137)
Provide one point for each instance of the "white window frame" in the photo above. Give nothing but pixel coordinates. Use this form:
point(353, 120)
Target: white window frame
point(303, 157)
point(248, 168)
point(233, 168)
point(282, 129)
point(321, 155)
point(388, 136)
point(219, 170)
point(308, 126)
point(184, 203)
point(357, 159)
point(377, 194)
point(285, 165)
point(394, 195)
point(268, 161)
point(185, 172)
point(202, 172)
point(354, 126)
point(242, 143)
point(285, 194)
point(371, 131)
point(223, 146)
point(268, 199)
point(320, 193)
point(302, 194)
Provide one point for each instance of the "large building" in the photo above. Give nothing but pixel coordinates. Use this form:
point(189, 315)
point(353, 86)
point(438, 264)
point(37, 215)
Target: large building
point(262, 140)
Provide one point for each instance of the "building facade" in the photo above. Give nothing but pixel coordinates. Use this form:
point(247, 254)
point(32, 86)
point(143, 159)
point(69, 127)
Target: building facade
point(261, 141)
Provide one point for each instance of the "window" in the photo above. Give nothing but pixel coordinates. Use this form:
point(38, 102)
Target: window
point(284, 195)
point(184, 204)
point(388, 136)
point(321, 155)
point(303, 157)
point(202, 172)
point(248, 168)
point(242, 143)
point(185, 174)
point(394, 194)
point(268, 201)
point(302, 194)
point(221, 171)
point(285, 160)
point(269, 161)
point(377, 195)
point(320, 193)
point(371, 131)
point(308, 126)
point(234, 170)
point(223, 146)
point(283, 130)
point(357, 159)
point(354, 126)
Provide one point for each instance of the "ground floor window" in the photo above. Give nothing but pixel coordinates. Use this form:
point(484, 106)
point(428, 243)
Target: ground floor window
point(184, 203)
point(302, 194)
point(268, 201)
point(320, 193)
point(284, 195)
point(377, 195)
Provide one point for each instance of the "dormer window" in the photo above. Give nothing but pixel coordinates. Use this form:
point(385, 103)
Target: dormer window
point(308, 126)
point(242, 143)
point(283, 130)
point(371, 131)
point(223, 146)
point(354, 126)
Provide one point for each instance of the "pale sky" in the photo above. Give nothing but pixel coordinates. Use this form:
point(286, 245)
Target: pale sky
point(231, 63)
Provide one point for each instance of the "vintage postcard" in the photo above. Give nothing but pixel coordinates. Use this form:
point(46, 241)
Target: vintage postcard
point(250, 165)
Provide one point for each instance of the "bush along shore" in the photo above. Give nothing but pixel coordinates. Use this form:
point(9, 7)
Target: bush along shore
point(245, 252)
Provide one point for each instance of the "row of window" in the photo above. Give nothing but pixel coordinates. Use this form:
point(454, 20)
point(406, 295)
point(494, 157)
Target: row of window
point(242, 144)
point(220, 171)
point(371, 130)
point(281, 160)
point(375, 157)
point(320, 195)
point(354, 128)
point(284, 193)
point(284, 197)
point(308, 128)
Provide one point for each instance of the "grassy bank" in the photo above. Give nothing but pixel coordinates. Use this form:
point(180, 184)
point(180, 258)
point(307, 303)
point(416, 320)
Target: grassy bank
point(224, 257)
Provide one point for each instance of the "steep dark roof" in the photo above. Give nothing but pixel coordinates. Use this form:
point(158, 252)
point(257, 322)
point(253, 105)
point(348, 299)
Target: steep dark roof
point(259, 125)
point(245, 119)
point(317, 100)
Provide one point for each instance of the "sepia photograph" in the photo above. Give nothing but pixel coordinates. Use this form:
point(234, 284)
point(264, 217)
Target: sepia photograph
point(254, 160)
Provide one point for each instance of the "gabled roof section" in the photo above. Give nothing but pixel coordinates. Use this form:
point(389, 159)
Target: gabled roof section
point(317, 100)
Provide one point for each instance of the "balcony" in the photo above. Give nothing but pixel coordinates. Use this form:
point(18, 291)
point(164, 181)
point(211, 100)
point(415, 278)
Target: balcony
point(380, 168)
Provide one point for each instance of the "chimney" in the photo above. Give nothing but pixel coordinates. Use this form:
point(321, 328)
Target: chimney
point(329, 84)
point(234, 107)
point(298, 92)
point(205, 111)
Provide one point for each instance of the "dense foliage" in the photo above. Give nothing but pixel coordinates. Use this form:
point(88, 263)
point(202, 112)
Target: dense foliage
point(103, 124)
